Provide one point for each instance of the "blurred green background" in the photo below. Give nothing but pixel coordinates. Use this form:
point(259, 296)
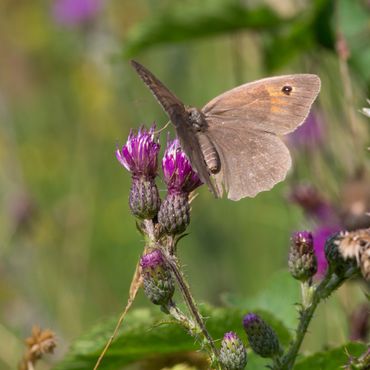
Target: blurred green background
point(68, 96)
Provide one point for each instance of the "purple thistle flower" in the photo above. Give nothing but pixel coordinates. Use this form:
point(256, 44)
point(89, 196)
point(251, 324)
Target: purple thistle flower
point(75, 12)
point(151, 260)
point(303, 238)
point(310, 134)
point(140, 154)
point(178, 173)
point(158, 282)
point(320, 236)
point(140, 157)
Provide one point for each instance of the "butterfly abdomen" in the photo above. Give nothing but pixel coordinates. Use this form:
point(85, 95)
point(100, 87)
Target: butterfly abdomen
point(209, 152)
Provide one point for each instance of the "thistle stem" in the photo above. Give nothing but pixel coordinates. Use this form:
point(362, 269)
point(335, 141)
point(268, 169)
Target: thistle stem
point(179, 316)
point(328, 285)
point(184, 287)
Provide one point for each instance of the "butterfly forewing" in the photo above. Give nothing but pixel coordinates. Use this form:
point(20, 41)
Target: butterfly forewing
point(276, 104)
point(179, 117)
point(169, 102)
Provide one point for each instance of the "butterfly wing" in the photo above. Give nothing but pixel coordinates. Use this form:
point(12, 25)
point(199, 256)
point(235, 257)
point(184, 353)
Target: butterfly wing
point(277, 104)
point(251, 161)
point(169, 102)
point(179, 117)
point(243, 124)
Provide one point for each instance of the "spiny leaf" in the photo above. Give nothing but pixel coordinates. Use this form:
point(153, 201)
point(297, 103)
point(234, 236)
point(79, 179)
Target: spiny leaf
point(333, 359)
point(141, 338)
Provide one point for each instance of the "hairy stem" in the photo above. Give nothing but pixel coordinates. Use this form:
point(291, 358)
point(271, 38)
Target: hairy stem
point(327, 286)
point(172, 262)
point(179, 316)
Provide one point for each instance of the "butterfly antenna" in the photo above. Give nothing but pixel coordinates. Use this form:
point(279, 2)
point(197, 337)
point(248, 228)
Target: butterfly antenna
point(163, 128)
point(135, 285)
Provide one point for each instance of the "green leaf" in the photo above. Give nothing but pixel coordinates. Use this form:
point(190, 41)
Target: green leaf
point(279, 298)
point(144, 335)
point(333, 359)
point(184, 24)
point(312, 28)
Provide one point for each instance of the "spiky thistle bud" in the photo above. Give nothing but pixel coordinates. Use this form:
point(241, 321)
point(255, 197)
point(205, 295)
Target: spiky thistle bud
point(302, 261)
point(338, 263)
point(262, 338)
point(158, 281)
point(233, 355)
point(181, 179)
point(139, 156)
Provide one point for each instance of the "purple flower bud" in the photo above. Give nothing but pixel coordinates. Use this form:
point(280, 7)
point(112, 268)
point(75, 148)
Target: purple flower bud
point(140, 153)
point(233, 355)
point(181, 179)
point(174, 213)
point(302, 259)
point(178, 173)
point(74, 12)
point(158, 282)
point(262, 338)
point(140, 157)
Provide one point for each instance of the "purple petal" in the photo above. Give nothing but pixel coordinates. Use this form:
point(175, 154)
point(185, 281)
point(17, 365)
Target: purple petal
point(73, 12)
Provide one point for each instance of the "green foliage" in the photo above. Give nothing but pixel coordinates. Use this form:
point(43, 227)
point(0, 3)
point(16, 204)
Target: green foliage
point(145, 333)
point(271, 299)
point(310, 29)
point(185, 24)
point(332, 359)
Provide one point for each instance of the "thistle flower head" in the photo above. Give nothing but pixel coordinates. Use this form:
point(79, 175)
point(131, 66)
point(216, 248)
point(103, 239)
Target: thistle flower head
point(178, 173)
point(262, 338)
point(139, 154)
point(337, 260)
point(158, 282)
point(151, 260)
point(233, 354)
point(303, 240)
point(74, 12)
point(302, 260)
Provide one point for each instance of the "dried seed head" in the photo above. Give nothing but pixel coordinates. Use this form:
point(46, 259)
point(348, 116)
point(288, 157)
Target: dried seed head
point(355, 245)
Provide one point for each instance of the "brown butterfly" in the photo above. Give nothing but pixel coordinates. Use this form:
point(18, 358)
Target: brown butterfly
point(234, 138)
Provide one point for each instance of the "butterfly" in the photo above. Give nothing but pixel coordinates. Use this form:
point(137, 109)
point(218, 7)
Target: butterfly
point(233, 141)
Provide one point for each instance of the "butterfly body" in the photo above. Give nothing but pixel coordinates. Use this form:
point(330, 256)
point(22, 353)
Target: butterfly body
point(233, 141)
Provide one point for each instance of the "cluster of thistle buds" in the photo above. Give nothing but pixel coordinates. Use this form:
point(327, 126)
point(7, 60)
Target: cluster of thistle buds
point(168, 217)
point(344, 251)
point(140, 156)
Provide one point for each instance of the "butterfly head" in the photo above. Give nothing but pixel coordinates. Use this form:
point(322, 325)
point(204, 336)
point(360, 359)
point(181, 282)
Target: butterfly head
point(196, 119)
